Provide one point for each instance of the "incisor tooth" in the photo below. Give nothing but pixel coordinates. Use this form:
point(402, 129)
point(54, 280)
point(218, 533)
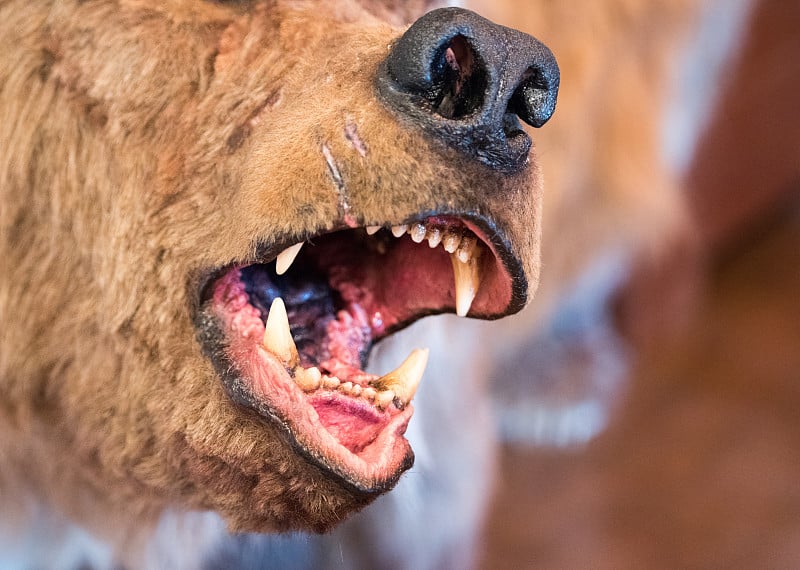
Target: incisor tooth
point(398, 231)
point(466, 249)
point(404, 381)
point(418, 232)
point(434, 236)
point(277, 335)
point(468, 279)
point(286, 258)
point(451, 242)
point(372, 230)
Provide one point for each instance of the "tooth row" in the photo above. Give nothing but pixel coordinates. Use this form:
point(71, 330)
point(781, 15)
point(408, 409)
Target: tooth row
point(453, 241)
point(311, 379)
point(400, 384)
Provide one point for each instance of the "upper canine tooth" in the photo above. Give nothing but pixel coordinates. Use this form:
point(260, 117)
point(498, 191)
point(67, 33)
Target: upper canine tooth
point(372, 230)
point(451, 241)
point(405, 380)
point(434, 236)
point(278, 337)
point(418, 232)
point(398, 231)
point(468, 279)
point(286, 257)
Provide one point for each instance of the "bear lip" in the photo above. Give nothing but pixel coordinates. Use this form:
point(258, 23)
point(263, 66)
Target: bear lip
point(339, 422)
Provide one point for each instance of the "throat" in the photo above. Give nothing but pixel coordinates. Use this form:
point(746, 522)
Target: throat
point(329, 333)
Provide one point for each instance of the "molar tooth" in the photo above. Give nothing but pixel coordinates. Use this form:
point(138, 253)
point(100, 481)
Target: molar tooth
point(278, 336)
point(418, 232)
point(355, 390)
point(286, 258)
point(434, 236)
point(451, 241)
point(347, 387)
point(398, 231)
point(466, 249)
point(404, 380)
point(468, 279)
point(372, 230)
point(331, 382)
point(369, 393)
point(308, 379)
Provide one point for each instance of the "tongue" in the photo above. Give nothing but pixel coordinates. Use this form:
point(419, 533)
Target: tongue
point(354, 423)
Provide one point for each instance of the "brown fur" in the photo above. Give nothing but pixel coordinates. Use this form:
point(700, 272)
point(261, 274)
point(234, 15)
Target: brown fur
point(142, 143)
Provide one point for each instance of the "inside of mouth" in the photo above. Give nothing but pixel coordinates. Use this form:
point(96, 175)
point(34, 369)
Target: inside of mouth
point(349, 289)
point(342, 293)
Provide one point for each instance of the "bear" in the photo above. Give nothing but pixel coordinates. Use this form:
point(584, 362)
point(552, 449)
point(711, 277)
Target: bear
point(212, 211)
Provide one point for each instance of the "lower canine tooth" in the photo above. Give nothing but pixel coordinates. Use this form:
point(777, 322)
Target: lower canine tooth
point(404, 381)
point(286, 258)
point(277, 335)
point(468, 279)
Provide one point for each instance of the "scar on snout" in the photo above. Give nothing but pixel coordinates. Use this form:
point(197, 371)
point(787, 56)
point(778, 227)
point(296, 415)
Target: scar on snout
point(351, 134)
point(341, 190)
point(333, 169)
point(241, 132)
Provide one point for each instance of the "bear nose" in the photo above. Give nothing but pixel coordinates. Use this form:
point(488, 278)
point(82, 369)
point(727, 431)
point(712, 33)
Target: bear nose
point(466, 81)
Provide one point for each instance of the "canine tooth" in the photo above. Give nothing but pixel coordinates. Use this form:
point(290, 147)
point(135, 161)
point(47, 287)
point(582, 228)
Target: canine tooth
point(307, 378)
point(418, 232)
point(451, 241)
point(384, 398)
point(405, 380)
point(398, 231)
point(434, 236)
point(467, 278)
point(372, 230)
point(331, 382)
point(466, 249)
point(347, 387)
point(278, 336)
point(286, 258)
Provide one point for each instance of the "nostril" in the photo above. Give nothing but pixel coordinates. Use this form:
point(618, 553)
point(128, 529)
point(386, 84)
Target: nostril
point(468, 82)
point(534, 99)
point(461, 80)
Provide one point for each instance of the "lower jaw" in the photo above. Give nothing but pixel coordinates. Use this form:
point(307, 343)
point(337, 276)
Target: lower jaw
point(255, 379)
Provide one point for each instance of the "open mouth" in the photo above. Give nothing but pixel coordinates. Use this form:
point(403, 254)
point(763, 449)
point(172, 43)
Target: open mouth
point(290, 336)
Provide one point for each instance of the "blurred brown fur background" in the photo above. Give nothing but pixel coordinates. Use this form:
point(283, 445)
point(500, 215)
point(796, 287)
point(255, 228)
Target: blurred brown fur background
point(649, 403)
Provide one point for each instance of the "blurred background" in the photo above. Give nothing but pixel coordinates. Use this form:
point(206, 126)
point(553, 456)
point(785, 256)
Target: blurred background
point(648, 403)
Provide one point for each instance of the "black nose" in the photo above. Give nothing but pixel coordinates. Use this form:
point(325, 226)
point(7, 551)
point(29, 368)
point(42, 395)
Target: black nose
point(465, 81)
